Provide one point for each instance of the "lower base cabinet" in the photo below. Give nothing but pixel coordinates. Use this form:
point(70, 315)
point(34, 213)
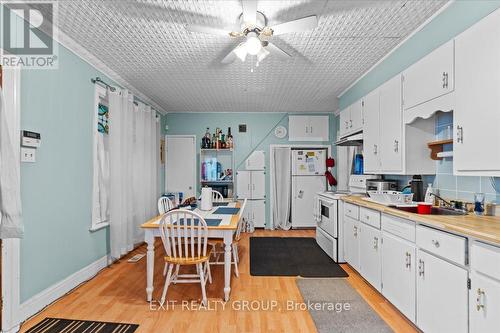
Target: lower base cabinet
point(369, 255)
point(484, 304)
point(255, 212)
point(398, 273)
point(351, 249)
point(442, 295)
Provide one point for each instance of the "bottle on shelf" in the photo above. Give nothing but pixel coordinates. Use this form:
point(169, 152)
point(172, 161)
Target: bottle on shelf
point(205, 141)
point(223, 141)
point(229, 138)
point(214, 142)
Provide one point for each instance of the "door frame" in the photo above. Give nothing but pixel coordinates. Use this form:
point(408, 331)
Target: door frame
point(271, 172)
point(11, 247)
point(195, 178)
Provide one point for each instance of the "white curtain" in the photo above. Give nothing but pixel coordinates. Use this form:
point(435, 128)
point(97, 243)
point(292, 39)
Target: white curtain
point(134, 155)
point(10, 189)
point(281, 186)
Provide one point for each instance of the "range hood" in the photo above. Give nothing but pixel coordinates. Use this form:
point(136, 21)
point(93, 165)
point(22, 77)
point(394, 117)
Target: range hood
point(355, 139)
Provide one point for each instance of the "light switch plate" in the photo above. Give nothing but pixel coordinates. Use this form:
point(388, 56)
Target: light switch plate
point(28, 155)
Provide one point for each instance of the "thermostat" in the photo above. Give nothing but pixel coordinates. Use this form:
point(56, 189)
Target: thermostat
point(30, 139)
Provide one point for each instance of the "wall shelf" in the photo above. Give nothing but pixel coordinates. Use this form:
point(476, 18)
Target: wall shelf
point(436, 147)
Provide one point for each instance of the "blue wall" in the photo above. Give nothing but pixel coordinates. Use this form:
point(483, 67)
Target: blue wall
point(259, 135)
point(459, 16)
point(57, 190)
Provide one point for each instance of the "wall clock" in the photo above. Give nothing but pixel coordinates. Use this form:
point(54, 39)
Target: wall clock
point(280, 132)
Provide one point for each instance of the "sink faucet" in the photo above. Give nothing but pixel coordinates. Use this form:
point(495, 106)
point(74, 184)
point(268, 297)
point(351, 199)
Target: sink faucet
point(447, 203)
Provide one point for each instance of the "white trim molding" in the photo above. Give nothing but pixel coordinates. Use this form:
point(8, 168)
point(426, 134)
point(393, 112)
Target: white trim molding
point(11, 248)
point(36, 303)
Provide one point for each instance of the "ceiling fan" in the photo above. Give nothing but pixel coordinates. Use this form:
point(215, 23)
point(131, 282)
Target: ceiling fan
point(253, 25)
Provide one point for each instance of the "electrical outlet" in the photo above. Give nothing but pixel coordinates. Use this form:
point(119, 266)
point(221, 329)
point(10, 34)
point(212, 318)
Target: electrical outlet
point(28, 155)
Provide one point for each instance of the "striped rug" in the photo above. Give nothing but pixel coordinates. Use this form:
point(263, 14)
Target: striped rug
point(58, 325)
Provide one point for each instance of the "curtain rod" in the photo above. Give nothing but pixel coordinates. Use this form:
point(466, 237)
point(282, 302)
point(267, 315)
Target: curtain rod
point(98, 80)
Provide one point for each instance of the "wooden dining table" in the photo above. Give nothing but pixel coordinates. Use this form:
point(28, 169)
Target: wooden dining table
point(225, 230)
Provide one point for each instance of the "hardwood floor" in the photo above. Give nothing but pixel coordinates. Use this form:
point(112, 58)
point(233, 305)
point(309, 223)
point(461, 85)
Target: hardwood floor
point(118, 294)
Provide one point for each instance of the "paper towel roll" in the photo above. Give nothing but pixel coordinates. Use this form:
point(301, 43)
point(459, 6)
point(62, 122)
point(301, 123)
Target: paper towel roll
point(206, 198)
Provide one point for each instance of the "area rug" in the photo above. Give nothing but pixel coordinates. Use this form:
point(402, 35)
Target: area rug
point(291, 256)
point(336, 307)
point(57, 325)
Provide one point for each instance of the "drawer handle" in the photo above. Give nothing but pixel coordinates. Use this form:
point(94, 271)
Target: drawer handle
point(355, 231)
point(375, 243)
point(480, 294)
point(436, 243)
point(367, 217)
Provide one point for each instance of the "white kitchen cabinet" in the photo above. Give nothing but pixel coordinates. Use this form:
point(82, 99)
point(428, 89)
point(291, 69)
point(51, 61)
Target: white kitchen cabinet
point(256, 161)
point(369, 255)
point(351, 119)
point(250, 184)
point(351, 244)
point(398, 273)
point(476, 116)
point(442, 295)
point(430, 77)
point(308, 128)
point(255, 212)
point(391, 126)
point(371, 134)
point(484, 304)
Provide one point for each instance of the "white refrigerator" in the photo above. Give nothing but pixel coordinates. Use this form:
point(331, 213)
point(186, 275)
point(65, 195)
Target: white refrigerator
point(308, 178)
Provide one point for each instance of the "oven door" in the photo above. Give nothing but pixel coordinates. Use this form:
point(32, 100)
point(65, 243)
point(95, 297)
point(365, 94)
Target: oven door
point(328, 211)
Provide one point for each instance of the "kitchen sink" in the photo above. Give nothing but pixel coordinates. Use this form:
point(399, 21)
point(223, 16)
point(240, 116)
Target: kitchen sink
point(434, 211)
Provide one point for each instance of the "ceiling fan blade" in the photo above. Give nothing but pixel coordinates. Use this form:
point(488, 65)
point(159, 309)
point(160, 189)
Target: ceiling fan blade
point(303, 24)
point(249, 11)
point(207, 30)
point(238, 52)
point(229, 58)
point(276, 51)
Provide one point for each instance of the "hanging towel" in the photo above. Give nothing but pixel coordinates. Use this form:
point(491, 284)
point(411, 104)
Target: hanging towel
point(11, 225)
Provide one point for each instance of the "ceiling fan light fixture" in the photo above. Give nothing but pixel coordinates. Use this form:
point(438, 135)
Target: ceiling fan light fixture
point(241, 52)
point(253, 43)
point(263, 53)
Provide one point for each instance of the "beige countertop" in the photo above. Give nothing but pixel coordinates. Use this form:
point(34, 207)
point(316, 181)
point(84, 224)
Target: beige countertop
point(485, 228)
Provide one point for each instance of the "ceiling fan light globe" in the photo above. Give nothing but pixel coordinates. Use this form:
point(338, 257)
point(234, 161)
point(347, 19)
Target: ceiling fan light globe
point(253, 44)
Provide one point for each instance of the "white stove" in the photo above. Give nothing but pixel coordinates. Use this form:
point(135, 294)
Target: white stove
point(328, 214)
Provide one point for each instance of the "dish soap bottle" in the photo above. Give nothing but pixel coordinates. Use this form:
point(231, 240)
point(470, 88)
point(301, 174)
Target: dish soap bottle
point(428, 194)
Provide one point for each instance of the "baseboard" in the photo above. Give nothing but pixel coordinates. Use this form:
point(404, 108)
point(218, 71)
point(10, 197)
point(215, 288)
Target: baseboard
point(38, 302)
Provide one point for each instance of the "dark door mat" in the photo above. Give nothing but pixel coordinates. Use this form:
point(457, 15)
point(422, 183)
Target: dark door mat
point(57, 325)
point(291, 256)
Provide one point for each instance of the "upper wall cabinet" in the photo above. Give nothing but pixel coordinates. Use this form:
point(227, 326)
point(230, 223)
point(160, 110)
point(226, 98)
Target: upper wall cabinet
point(308, 128)
point(431, 77)
point(351, 119)
point(477, 111)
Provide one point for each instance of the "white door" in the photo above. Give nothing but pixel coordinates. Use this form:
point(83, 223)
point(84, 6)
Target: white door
point(477, 111)
point(345, 121)
point(298, 128)
point(369, 255)
point(180, 164)
point(398, 273)
point(351, 231)
point(356, 121)
point(304, 189)
point(371, 146)
point(259, 213)
point(430, 77)
point(442, 295)
point(243, 185)
point(484, 304)
point(319, 128)
point(391, 128)
point(258, 185)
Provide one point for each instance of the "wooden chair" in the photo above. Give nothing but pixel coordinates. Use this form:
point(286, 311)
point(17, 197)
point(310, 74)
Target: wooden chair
point(236, 238)
point(164, 205)
point(184, 235)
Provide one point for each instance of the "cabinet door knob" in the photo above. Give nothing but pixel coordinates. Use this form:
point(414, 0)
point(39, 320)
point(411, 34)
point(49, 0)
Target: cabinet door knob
point(444, 80)
point(436, 243)
point(396, 146)
point(351, 123)
point(460, 134)
point(480, 295)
